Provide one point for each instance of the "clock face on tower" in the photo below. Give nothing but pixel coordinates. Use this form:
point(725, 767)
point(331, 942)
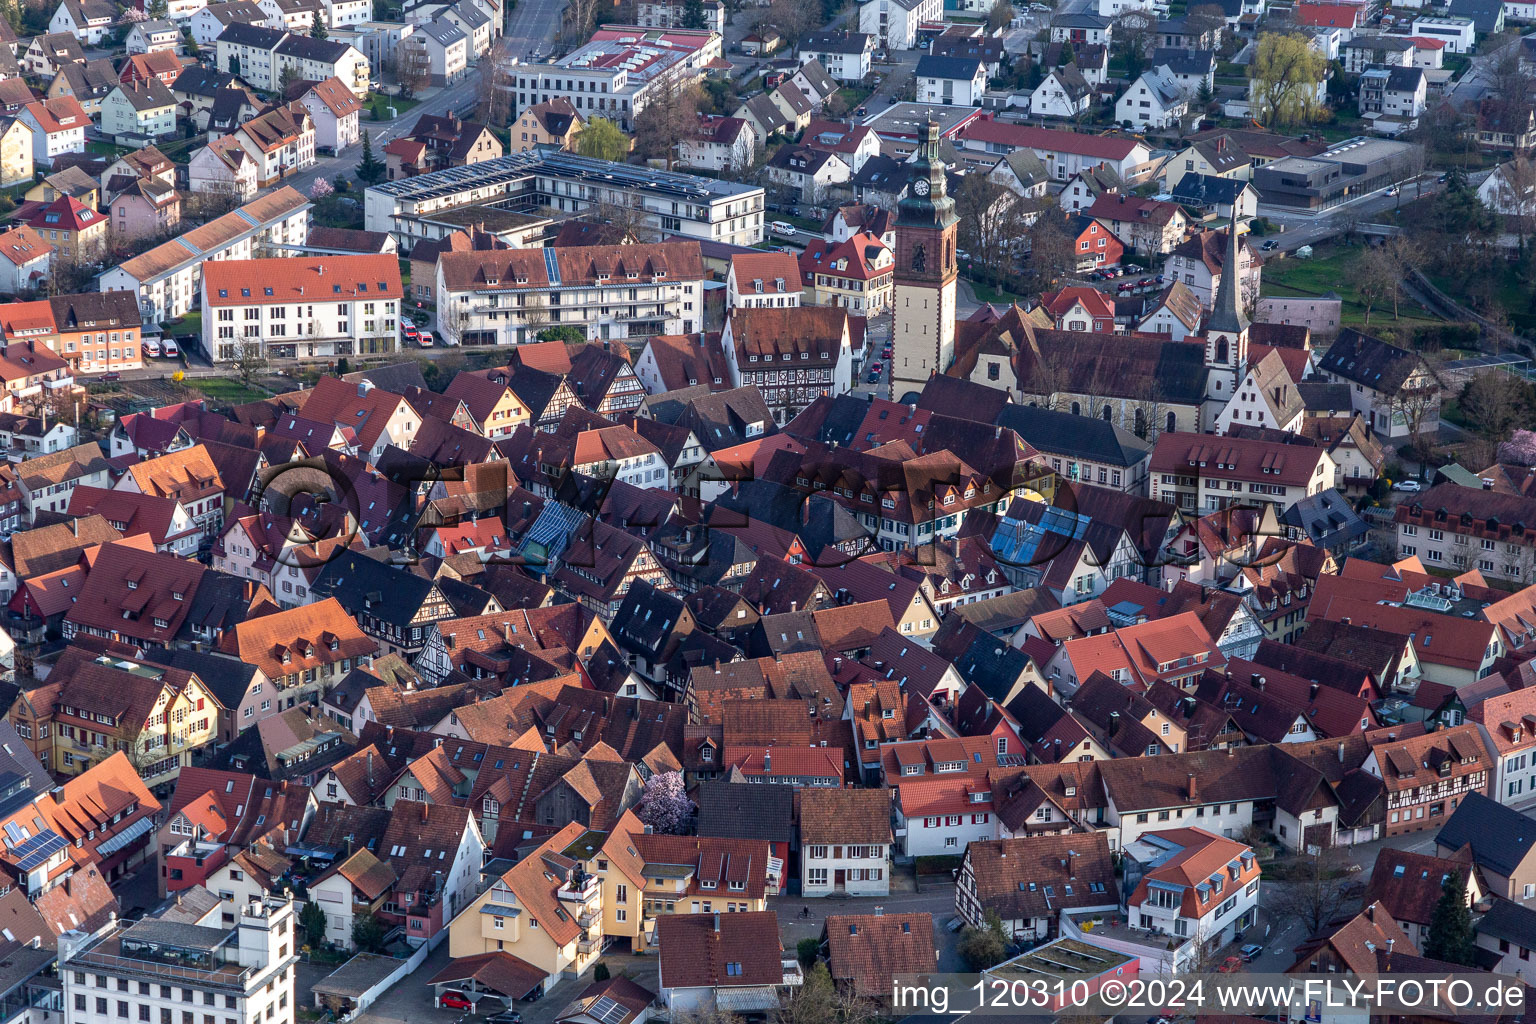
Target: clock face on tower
point(920, 187)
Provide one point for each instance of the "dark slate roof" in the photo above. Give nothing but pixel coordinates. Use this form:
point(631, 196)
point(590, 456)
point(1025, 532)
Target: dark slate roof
point(1078, 437)
point(1501, 837)
point(388, 593)
point(1327, 519)
point(1484, 13)
point(1324, 396)
point(931, 66)
point(1203, 189)
point(883, 173)
point(323, 51)
point(834, 42)
point(394, 378)
point(743, 810)
point(227, 677)
point(251, 35)
point(1181, 61)
point(18, 766)
point(1363, 359)
point(1508, 921)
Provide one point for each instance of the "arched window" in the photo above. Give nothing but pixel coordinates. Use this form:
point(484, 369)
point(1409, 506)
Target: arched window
point(1141, 423)
point(1221, 351)
point(1105, 412)
point(1077, 409)
point(1173, 423)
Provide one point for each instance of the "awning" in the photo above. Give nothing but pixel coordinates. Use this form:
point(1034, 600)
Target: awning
point(747, 999)
point(110, 846)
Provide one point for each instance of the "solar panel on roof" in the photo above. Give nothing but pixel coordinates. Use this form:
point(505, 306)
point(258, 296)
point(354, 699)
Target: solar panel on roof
point(36, 851)
point(607, 1011)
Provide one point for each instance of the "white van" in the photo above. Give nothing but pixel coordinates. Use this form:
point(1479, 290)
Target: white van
point(151, 348)
point(782, 227)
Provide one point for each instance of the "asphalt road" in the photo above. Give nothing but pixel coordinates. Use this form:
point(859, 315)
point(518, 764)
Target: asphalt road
point(532, 24)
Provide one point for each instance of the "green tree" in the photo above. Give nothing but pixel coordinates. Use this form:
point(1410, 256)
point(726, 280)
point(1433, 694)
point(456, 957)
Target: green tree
point(1286, 72)
point(287, 77)
point(1450, 929)
point(312, 920)
point(565, 332)
point(317, 29)
point(600, 972)
point(158, 9)
point(806, 951)
point(602, 139)
point(693, 13)
point(985, 946)
point(368, 934)
point(369, 170)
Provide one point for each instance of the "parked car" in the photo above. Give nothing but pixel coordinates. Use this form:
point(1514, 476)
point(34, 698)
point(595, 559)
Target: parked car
point(1270, 245)
point(1394, 190)
point(1412, 486)
point(152, 348)
point(425, 340)
point(510, 1017)
point(1231, 965)
point(873, 377)
point(455, 1000)
point(1250, 952)
point(112, 375)
point(875, 368)
point(168, 347)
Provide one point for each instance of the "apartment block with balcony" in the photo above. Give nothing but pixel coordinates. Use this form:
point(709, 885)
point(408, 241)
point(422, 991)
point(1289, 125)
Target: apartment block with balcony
point(507, 296)
point(292, 308)
point(155, 969)
point(1199, 473)
point(546, 912)
point(1461, 528)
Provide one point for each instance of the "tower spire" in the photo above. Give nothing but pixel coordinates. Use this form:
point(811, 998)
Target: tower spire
point(1227, 311)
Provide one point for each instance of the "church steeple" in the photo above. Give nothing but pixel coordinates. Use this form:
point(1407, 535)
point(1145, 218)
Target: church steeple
point(923, 330)
point(1226, 329)
point(1227, 311)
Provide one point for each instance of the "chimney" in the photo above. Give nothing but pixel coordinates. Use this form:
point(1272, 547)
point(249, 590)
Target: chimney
point(1341, 752)
point(879, 911)
point(1312, 694)
point(767, 761)
point(370, 766)
point(717, 922)
point(1194, 791)
point(424, 810)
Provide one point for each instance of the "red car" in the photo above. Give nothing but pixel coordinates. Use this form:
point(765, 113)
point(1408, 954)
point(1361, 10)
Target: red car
point(410, 332)
point(455, 1001)
point(1231, 965)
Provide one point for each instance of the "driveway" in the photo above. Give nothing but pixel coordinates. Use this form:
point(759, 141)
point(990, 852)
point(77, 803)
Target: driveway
point(937, 899)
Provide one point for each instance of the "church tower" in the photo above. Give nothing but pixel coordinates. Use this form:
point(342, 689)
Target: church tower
point(1226, 329)
point(923, 335)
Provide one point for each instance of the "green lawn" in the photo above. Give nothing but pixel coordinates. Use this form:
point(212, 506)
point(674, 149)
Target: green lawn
point(986, 293)
point(106, 149)
point(378, 104)
point(227, 389)
point(853, 96)
point(187, 323)
point(1328, 271)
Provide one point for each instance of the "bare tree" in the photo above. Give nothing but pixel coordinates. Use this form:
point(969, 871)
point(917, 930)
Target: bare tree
point(495, 85)
point(1495, 403)
point(1051, 253)
point(793, 18)
point(670, 116)
point(626, 213)
point(1416, 402)
point(249, 360)
point(1321, 895)
point(1373, 277)
point(1401, 254)
point(413, 67)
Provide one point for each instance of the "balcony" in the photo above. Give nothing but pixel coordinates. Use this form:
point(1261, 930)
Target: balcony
point(580, 889)
point(588, 944)
point(590, 916)
point(59, 383)
point(793, 975)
